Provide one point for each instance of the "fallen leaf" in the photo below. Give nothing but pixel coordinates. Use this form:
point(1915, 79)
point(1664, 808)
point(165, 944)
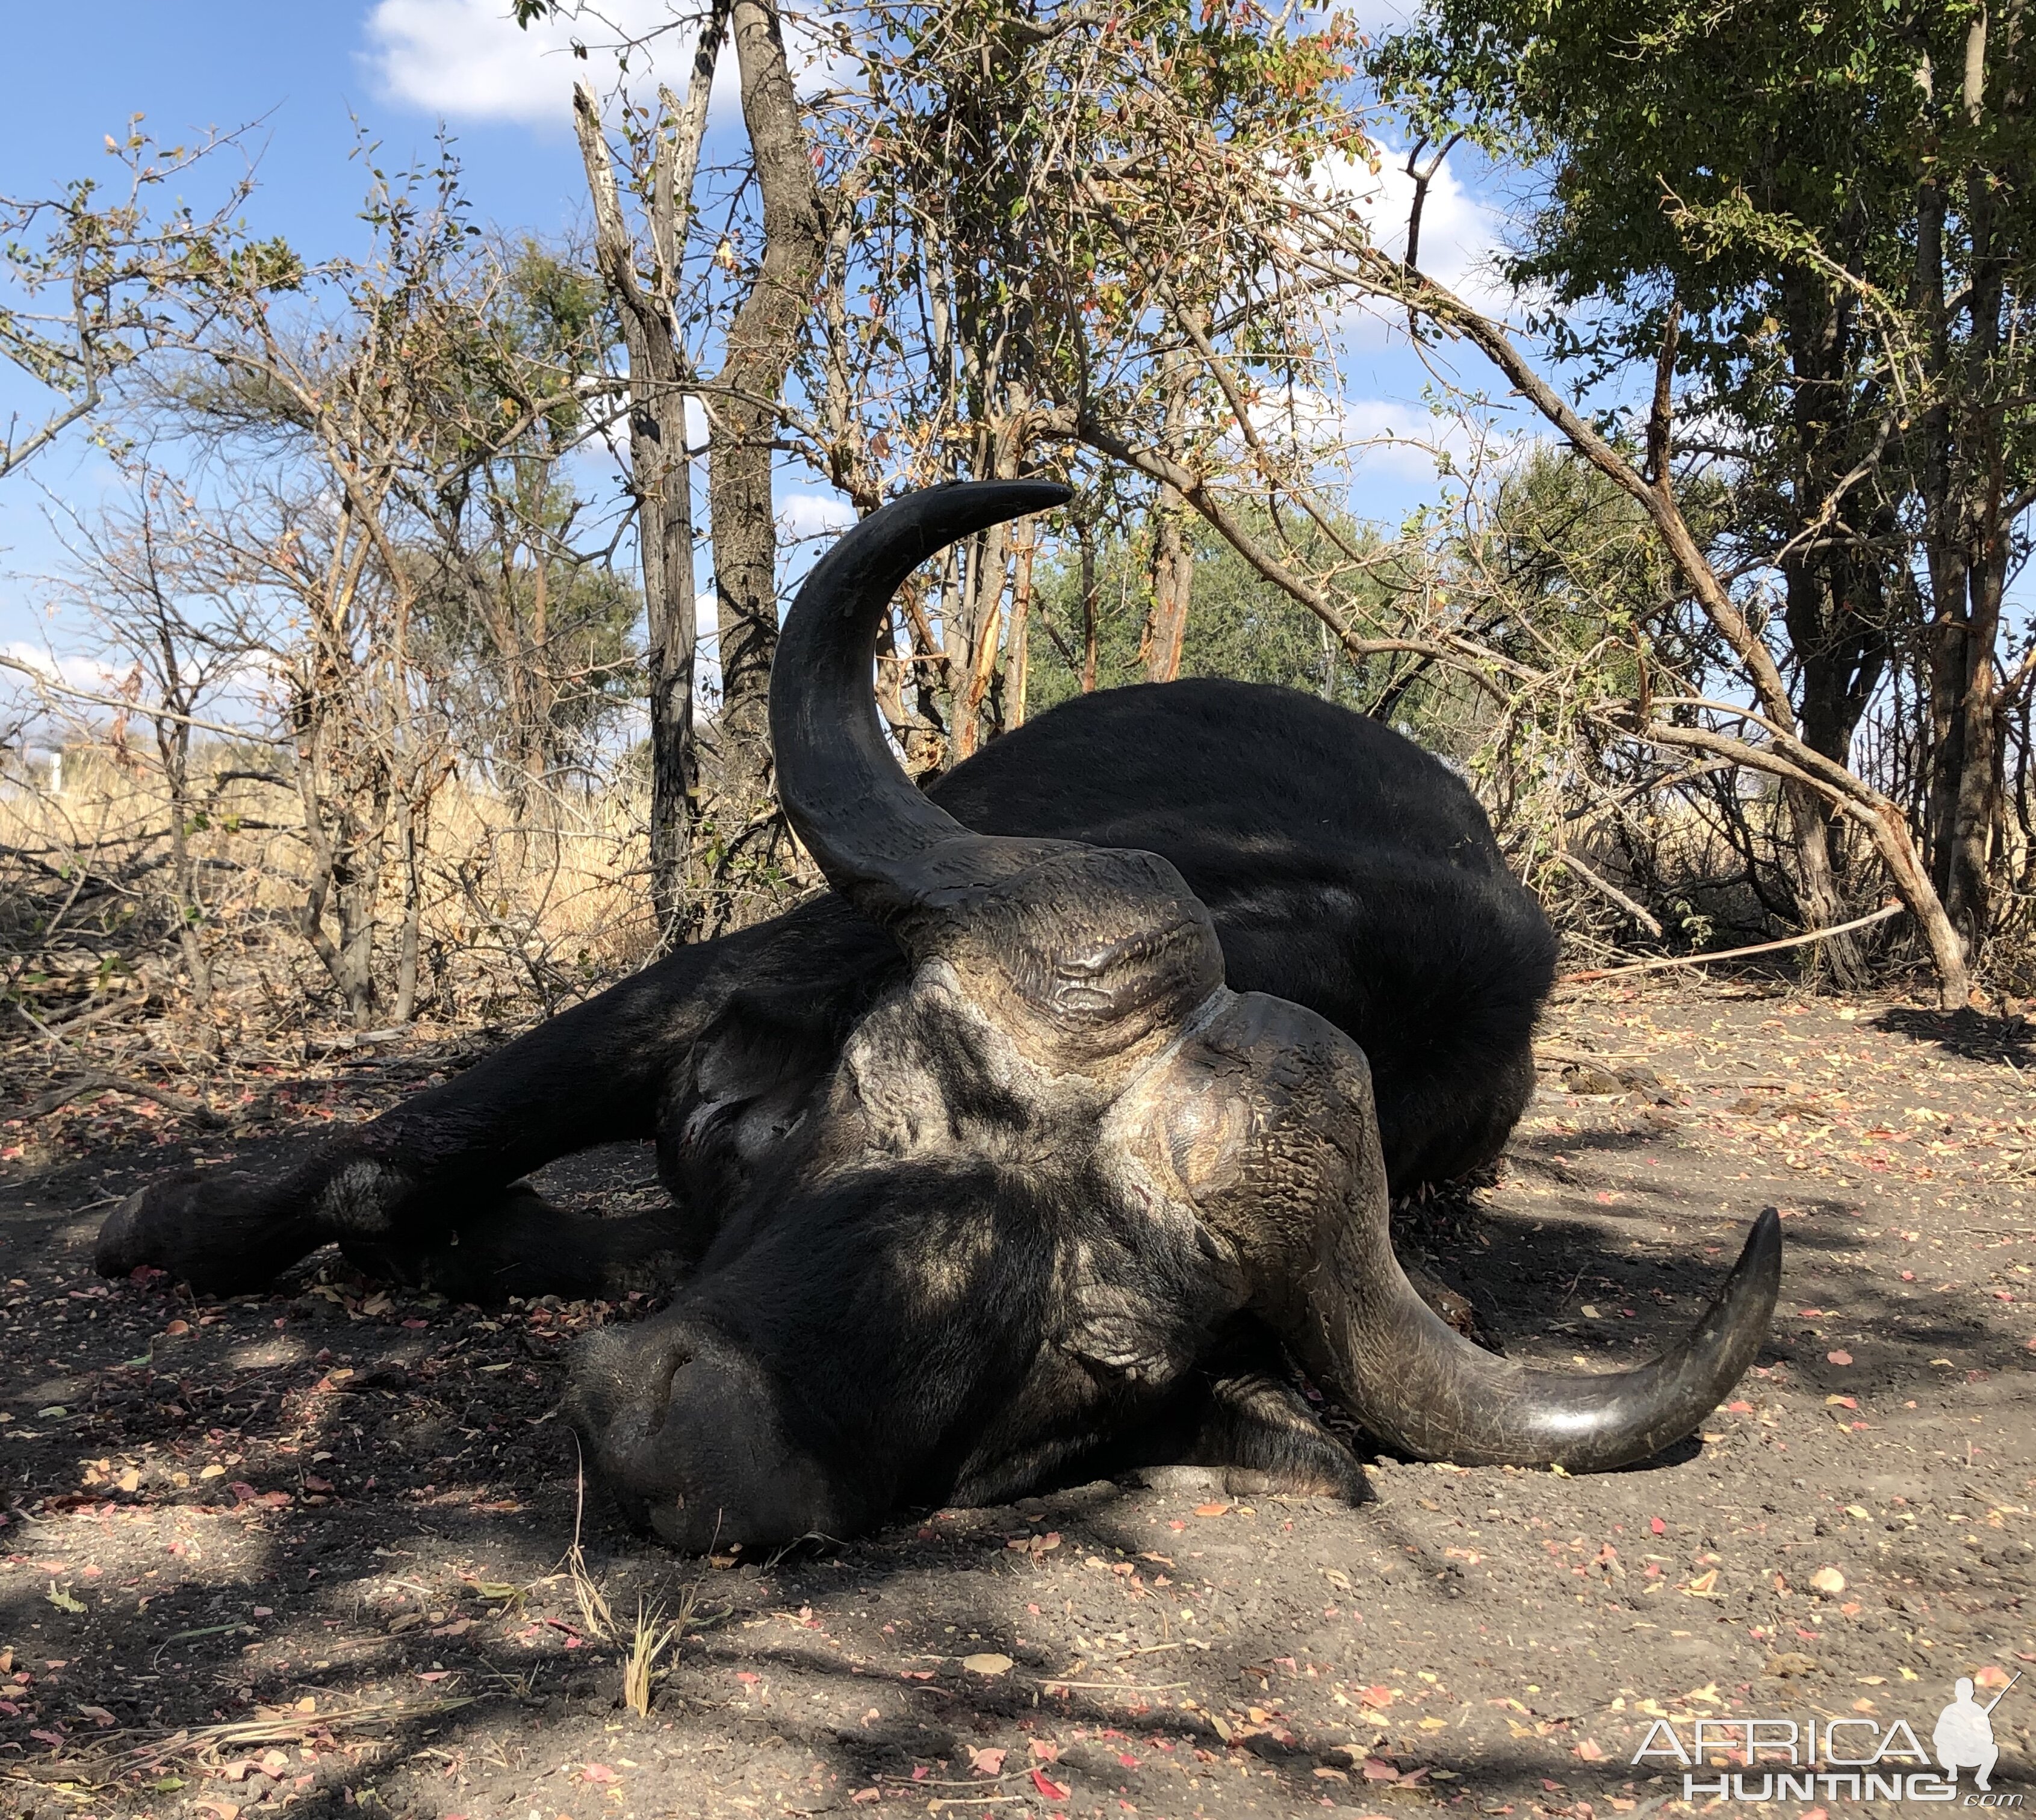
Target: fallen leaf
point(99, 1716)
point(1993, 1676)
point(597, 1772)
point(1212, 1510)
point(1839, 1358)
point(989, 1663)
point(62, 1599)
point(987, 1762)
point(1381, 1695)
point(1829, 1580)
point(1052, 1790)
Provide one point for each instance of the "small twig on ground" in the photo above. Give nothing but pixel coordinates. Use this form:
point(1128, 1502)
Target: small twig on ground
point(1880, 915)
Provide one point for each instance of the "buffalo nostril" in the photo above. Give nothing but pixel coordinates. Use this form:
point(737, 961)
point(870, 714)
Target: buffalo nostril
point(673, 1362)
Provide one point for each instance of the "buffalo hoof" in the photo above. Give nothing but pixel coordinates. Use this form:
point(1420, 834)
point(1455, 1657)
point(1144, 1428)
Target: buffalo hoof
point(224, 1231)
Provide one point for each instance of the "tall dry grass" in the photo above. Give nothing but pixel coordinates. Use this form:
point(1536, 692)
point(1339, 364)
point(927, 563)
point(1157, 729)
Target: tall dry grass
point(519, 917)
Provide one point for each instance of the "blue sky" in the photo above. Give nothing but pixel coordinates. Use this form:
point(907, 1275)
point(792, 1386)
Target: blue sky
point(307, 73)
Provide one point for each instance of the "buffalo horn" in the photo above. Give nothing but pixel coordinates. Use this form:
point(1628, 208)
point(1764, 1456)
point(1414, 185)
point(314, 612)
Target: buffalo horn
point(880, 843)
point(1422, 1387)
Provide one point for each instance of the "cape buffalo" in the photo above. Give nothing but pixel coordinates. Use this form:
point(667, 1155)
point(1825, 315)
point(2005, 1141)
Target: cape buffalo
point(1026, 1153)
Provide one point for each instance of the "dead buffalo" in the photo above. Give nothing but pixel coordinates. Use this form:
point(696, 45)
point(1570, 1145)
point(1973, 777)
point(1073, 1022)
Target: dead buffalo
point(1025, 1155)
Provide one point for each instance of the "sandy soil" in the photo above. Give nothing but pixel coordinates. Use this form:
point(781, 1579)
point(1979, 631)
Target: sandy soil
point(309, 1552)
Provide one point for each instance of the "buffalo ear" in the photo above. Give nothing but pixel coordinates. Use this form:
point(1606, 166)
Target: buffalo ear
point(763, 1039)
point(741, 1093)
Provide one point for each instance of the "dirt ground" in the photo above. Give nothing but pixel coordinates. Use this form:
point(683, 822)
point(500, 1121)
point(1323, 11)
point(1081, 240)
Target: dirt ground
point(309, 1552)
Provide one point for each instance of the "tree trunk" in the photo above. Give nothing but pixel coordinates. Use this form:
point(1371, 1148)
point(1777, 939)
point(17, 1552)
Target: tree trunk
point(761, 343)
point(1166, 626)
point(1172, 575)
point(1017, 643)
point(661, 478)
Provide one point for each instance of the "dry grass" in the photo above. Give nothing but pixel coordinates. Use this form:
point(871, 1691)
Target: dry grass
point(543, 911)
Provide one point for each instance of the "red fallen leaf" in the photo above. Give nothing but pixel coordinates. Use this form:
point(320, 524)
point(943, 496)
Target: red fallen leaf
point(1656, 1525)
point(1048, 1786)
point(1377, 1769)
point(1839, 1358)
point(417, 1324)
point(862, 1794)
point(1127, 1760)
point(177, 1329)
point(1379, 1696)
point(747, 1679)
point(1212, 1510)
point(597, 1772)
point(986, 1762)
point(49, 1738)
point(8, 1707)
point(919, 1772)
point(1175, 1523)
point(1590, 1751)
point(903, 1674)
point(1552, 1786)
point(433, 1674)
point(1741, 1408)
point(313, 1483)
point(1908, 1276)
point(1045, 1752)
point(2003, 1295)
point(99, 1716)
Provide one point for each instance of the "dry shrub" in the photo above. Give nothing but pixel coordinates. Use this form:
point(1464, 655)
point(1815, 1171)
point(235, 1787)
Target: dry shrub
point(517, 917)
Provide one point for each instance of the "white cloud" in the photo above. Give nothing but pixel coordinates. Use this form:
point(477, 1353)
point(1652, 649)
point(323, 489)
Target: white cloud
point(469, 60)
point(803, 515)
point(1379, 437)
point(1460, 232)
point(61, 669)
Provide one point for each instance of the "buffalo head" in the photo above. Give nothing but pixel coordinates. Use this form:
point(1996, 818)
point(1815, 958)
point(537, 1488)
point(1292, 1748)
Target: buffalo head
point(994, 1233)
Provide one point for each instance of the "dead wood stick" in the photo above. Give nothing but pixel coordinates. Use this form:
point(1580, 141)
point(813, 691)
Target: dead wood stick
point(1880, 915)
point(133, 1089)
point(1609, 892)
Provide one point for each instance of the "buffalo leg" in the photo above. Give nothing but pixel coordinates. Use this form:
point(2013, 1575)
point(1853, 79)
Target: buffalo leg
point(594, 1075)
point(521, 1244)
point(1258, 1437)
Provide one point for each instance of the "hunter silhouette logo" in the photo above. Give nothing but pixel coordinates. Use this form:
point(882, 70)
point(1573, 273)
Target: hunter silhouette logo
point(1837, 1759)
point(1964, 1736)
